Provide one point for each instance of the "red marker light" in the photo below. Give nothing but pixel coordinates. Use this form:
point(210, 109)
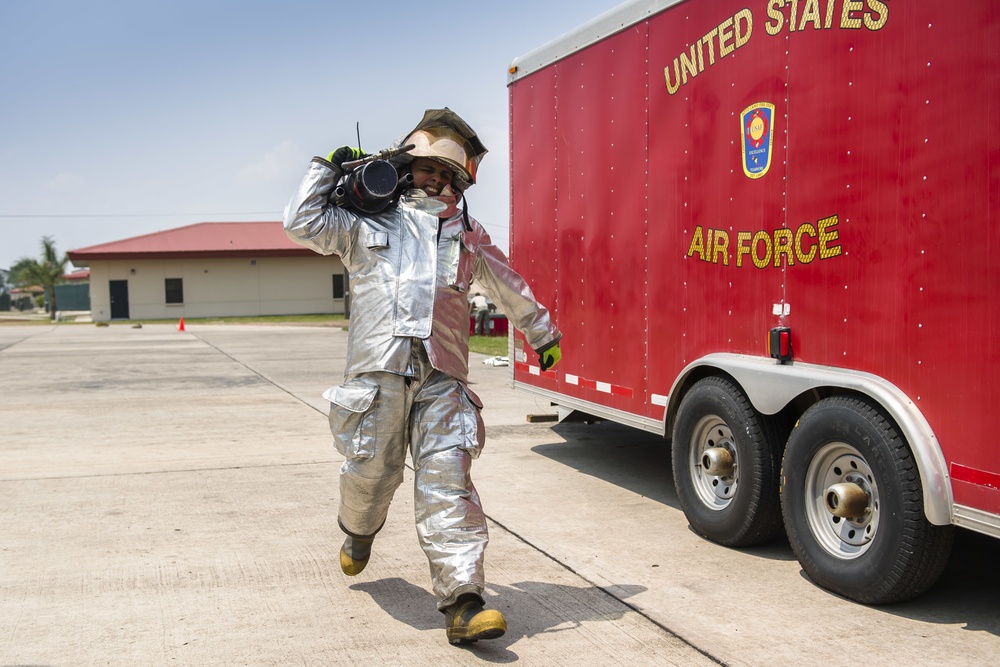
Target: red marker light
point(779, 344)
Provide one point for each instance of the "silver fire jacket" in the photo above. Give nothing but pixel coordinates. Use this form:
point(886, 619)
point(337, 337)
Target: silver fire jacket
point(409, 278)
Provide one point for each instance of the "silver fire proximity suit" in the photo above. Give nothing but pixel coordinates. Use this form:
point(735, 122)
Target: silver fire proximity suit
point(407, 365)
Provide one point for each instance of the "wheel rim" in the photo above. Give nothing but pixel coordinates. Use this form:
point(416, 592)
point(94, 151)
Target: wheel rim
point(846, 538)
point(715, 492)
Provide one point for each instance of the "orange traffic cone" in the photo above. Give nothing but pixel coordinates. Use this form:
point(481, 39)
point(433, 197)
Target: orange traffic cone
point(180, 327)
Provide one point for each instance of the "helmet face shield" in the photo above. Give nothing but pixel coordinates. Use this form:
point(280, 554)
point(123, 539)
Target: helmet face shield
point(444, 145)
point(442, 135)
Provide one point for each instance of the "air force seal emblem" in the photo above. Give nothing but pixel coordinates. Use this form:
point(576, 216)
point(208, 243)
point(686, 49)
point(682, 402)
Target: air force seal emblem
point(757, 122)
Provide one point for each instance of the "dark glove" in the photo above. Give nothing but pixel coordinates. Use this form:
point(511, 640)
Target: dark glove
point(549, 356)
point(344, 154)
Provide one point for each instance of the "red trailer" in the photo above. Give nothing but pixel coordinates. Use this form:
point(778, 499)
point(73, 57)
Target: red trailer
point(768, 230)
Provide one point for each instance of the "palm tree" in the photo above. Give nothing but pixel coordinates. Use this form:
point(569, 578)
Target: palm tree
point(46, 273)
point(4, 295)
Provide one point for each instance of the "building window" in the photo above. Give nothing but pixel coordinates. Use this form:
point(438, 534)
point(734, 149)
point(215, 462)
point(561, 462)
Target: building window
point(338, 286)
point(175, 290)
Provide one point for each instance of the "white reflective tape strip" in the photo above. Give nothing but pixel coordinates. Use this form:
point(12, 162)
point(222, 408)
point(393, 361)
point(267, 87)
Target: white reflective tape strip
point(659, 400)
point(603, 387)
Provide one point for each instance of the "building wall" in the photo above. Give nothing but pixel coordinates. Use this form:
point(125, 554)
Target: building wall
point(236, 287)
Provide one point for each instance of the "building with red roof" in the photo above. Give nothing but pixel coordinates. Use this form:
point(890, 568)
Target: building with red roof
point(211, 269)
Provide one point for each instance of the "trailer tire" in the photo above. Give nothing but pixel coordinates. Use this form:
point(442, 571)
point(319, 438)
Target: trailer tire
point(888, 552)
point(737, 509)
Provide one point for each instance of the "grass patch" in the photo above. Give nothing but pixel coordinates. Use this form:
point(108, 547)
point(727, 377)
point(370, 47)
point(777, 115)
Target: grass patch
point(318, 320)
point(493, 346)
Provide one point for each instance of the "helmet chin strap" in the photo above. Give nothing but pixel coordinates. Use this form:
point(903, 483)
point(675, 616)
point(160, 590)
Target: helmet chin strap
point(465, 214)
point(451, 211)
point(459, 195)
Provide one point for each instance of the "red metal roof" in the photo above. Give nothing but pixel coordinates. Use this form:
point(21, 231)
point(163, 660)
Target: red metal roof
point(201, 240)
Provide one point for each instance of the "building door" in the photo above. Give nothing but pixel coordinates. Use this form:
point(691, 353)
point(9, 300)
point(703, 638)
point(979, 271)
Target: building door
point(119, 299)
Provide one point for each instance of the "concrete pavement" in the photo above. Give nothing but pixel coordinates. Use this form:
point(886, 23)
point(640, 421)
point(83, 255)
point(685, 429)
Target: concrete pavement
point(170, 498)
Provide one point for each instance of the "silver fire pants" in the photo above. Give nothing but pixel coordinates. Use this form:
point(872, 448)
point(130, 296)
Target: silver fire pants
point(375, 417)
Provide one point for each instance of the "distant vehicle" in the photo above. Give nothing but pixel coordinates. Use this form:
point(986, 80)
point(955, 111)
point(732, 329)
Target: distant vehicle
point(770, 235)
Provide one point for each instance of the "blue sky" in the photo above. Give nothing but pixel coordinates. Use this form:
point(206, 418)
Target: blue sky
point(124, 118)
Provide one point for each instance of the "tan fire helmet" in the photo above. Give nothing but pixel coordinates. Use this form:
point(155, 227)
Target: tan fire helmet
point(442, 135)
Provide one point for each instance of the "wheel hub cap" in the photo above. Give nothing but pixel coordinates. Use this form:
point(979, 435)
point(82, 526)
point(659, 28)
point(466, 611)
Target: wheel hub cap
point(842, 501)
point(714, 465)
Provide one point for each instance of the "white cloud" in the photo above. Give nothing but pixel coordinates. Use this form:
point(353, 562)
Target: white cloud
point(273, 165)
point(67, 183)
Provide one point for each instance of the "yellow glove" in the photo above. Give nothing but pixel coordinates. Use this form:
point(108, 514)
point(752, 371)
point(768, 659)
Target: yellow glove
point(549, 356)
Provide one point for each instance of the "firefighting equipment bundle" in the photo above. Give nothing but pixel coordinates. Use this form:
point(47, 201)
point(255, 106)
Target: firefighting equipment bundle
point(371, 183)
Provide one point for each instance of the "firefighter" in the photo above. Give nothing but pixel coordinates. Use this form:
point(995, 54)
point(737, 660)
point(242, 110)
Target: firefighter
point(405, 385)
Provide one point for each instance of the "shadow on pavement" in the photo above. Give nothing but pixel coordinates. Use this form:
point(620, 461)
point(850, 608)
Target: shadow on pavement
point(637, 461)
point(966, 594)
point(626, 457)
point(968, 590)
point(406, 602)
point(557, 607)
point(411, 604)
point(531, 608)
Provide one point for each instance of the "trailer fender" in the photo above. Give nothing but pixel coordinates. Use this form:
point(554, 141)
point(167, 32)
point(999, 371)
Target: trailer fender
point(770, 387)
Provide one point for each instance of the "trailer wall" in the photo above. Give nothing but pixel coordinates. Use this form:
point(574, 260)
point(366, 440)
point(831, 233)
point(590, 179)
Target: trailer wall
point(699, 176)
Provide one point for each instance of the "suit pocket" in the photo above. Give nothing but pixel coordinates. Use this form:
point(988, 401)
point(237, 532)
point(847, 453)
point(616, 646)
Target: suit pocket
point(459, 261)
point(352, 419)
point(473, 428)
point(376, 240)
